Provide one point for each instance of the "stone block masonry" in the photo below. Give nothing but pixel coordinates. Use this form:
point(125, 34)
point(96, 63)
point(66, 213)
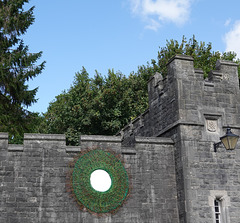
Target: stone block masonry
point(194, 113)
point(33, 180)
point(176, 177)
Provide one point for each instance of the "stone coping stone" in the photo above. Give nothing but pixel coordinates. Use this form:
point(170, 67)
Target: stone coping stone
point(226, 62)
point(180, 57)
point(73, 149)
point(153, 140)
point(15, 148)
point(43, 137)
point(3, 135)
point(100, 138)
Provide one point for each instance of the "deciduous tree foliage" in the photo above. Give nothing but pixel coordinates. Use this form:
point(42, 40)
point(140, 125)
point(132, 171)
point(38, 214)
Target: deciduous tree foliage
point(17, 66)
point(202, 53)
point(99, 105)
point(104, 104)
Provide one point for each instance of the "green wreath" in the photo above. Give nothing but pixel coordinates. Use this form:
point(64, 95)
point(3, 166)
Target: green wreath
point(86, 195)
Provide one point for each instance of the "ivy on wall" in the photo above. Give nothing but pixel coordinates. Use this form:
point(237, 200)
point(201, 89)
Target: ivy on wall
point(86, 196)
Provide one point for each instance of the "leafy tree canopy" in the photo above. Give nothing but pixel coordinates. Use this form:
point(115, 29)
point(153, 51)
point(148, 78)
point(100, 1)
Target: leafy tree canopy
point(202, 53)
point(99, 105)
point(104, 104)
point(17, 66)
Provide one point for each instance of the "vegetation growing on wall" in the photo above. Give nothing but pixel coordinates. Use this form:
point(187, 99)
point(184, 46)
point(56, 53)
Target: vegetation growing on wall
point(86, 196)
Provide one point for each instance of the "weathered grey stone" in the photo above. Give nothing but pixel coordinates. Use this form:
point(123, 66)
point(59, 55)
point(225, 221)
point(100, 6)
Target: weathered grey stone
point(168, 152)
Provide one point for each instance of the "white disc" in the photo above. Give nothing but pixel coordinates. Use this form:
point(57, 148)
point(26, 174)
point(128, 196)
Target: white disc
point(100, 180)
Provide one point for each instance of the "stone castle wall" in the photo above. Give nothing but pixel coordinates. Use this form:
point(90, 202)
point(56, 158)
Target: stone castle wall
point(33, 180)
point(176, 175)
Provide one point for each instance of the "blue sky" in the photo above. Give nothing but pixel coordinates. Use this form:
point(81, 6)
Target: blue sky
point(119, 35)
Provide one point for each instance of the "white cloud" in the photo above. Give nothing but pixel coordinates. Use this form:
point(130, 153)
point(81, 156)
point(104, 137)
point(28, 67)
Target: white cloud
point(156, 12)
point(228, 21)
point(153, 25)
point(232, 39)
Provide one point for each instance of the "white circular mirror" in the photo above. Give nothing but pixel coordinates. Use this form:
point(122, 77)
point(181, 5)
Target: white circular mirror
point(100, 180)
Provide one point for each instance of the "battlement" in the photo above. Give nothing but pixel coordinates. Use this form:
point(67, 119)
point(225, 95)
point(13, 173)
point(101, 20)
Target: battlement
point(32, 141)
point(185, 97)
point(181, 67)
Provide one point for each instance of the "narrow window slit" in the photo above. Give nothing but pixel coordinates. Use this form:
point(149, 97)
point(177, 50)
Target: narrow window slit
point(217, 206)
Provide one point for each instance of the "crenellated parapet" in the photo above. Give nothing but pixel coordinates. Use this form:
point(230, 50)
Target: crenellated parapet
point(31, 139)
point(185, 97)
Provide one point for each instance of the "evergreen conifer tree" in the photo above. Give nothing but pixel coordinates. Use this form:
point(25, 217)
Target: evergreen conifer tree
point(17, 67)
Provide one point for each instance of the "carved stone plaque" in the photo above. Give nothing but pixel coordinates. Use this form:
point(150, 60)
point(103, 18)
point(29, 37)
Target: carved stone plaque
point(212, 125)
point(225, 77)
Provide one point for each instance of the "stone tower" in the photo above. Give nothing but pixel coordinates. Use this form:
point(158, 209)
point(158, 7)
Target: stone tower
point(194, 113)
